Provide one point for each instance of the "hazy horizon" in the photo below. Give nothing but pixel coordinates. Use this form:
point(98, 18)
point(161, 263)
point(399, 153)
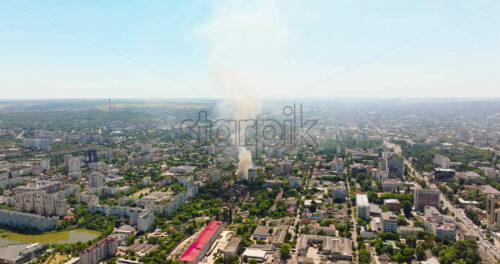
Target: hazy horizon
point(265, 48)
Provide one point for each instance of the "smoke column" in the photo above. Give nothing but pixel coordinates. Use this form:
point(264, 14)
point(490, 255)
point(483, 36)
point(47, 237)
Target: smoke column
point(246, 39)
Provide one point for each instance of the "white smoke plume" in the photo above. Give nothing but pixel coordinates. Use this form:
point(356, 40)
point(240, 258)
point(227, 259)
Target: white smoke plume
point(246, 38)
point(244, 163)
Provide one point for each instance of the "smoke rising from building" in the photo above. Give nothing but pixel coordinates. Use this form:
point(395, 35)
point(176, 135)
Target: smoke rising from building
point(246, 39)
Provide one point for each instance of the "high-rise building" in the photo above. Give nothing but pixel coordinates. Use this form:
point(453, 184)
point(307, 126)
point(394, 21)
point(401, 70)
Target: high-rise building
point(73, 164)
point(424, 197)
point(45, 165)
point(145, 220)
point(283, 168)
point(363, 206)
point(90, 156)
point(101, 250)
point(337, 164)
point(38, 144)
point(491, 209)
point(294, 182)
point(95, 180)
point(252, 174)
point(41, 203)
point(392, 164)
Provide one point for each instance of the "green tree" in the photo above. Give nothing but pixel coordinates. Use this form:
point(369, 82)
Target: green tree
point(407, 207)
point(285, 250)
point(420, 252)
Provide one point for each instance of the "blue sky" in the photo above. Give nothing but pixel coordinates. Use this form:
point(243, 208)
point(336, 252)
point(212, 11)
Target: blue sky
point(282, 48)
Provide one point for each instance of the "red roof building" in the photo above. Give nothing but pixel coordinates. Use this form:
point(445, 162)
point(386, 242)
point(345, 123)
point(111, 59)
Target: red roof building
point(197, 250)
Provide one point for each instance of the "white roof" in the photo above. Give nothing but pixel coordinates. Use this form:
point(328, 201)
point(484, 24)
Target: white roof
point(362, 200)
point(254, 253)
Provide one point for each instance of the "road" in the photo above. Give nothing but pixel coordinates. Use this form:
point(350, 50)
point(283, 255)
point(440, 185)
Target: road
point(354, 234)
point(490, 251)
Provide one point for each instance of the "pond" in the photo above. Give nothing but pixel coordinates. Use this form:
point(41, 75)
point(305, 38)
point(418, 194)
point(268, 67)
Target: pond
point(68, 236)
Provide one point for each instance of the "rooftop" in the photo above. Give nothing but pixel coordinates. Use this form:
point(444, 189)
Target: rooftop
point(362, 200)
point(195, 248)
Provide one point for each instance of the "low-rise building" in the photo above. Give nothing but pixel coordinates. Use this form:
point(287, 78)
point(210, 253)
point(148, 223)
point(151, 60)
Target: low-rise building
point(261, 233)
point(392, 204)
point(405, 231)
point(389, 222)
point(471, 177)
point(442, 226)
point(202, 243)
point(21, 253)
point(443, 174)
point(279, 235)
point(339, 192)
point(389, 185)
point(232, 248)
point(337, 248)
point(258, 254)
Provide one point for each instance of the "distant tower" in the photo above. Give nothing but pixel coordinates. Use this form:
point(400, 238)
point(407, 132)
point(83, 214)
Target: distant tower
point(109, 105)
point(252, 174)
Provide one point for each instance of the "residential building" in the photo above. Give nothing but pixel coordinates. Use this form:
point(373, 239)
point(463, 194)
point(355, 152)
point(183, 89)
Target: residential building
point(424, 197)
point(392, 204)
point(145, 221)
point(392, 164)
point(389, 222)
point(405, 231)
point(442, 226)
point(29, 221)
point(73, 164)
point(283, 168)
point(441, 161)
point(38, 144)
point(96, 180)
point(39, 185)
point(363, 206)
point(294, 182)
point(41, 203)
point(104, 248)
point(45, 165)
point(252, 174)
point(337, 164)
point(471, 177)
point(339, 192)
point(358, 168)
point(90, 156)
point(389, 185)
